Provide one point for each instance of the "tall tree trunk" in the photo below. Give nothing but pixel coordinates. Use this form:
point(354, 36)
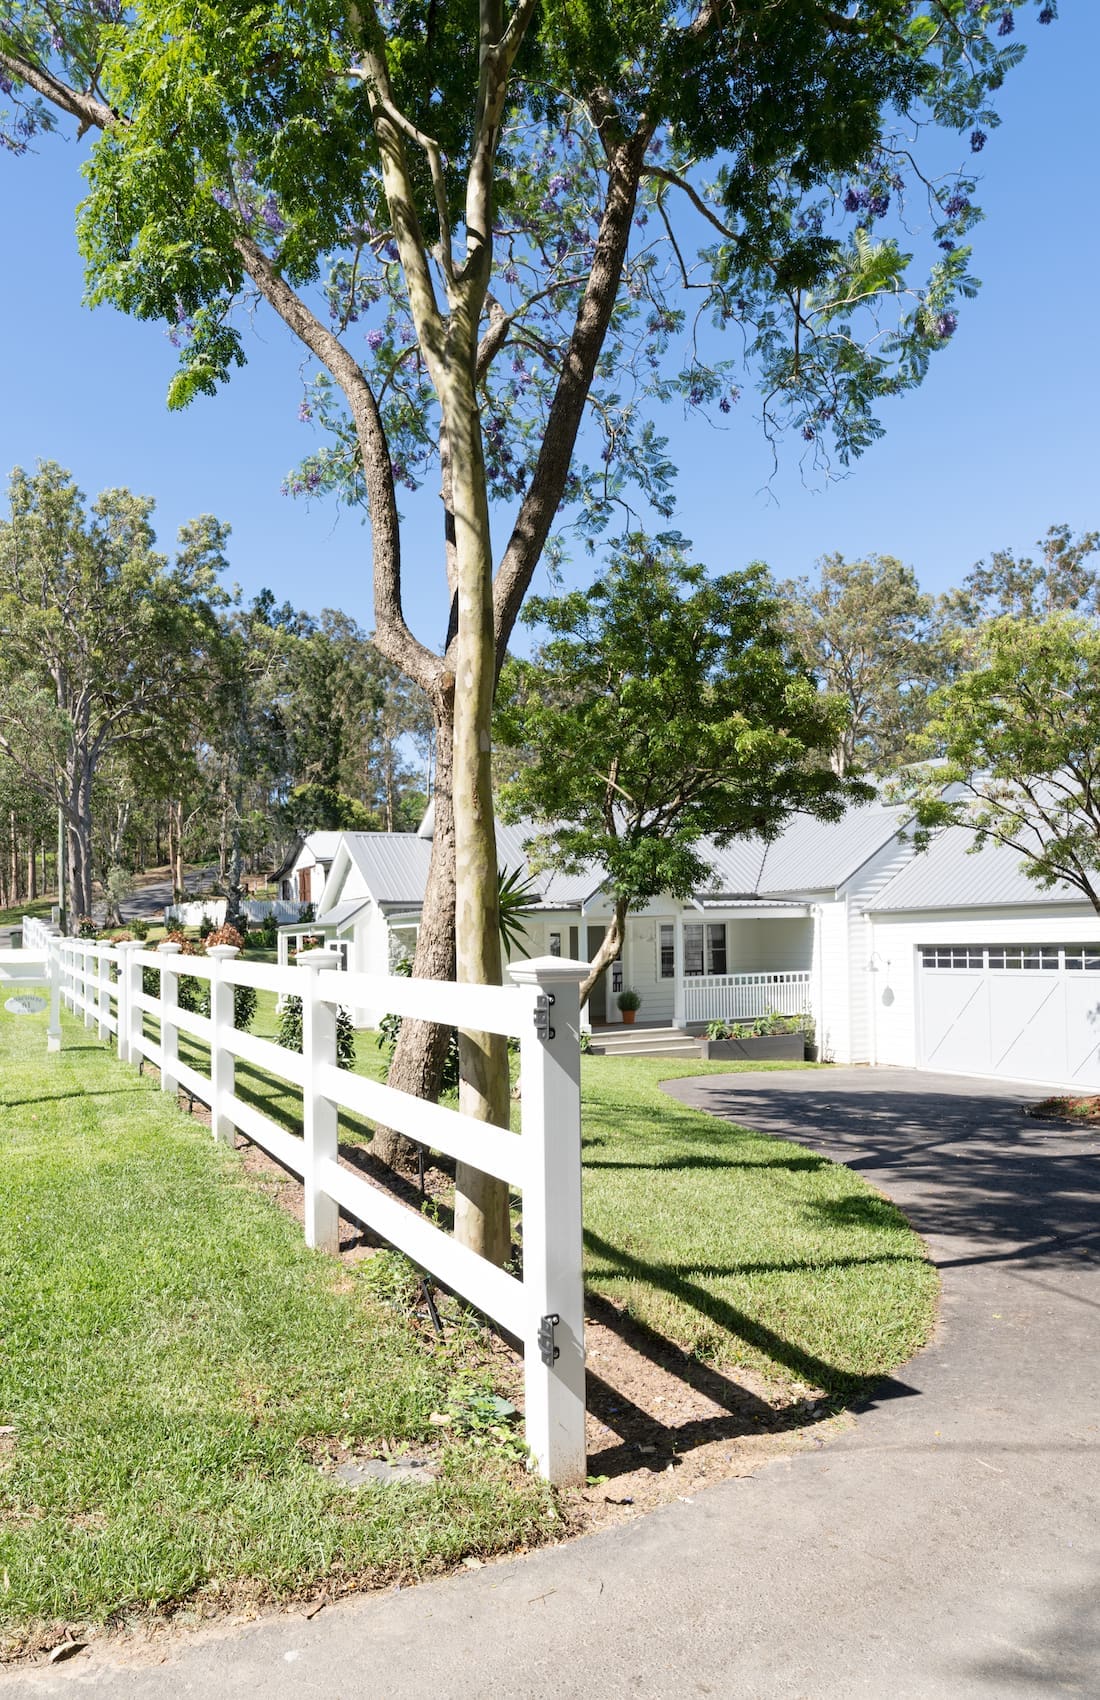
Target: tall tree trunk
point(32, 871)
point(482, 1219)
point(421, 1049)
point(14, 843)
point(610, 948)
point(176, 810)
point(233, 885)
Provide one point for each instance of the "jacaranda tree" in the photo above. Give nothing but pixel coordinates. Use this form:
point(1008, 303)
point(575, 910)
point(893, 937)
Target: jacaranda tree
point(485, 224)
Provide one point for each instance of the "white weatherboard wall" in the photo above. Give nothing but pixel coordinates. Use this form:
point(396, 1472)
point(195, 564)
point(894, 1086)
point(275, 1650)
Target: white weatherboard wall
point(829, 981)
point(863, 886)
point(896, 940)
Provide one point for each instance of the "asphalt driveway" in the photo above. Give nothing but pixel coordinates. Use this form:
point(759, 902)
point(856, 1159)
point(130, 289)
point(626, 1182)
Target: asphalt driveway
point(946, 1548)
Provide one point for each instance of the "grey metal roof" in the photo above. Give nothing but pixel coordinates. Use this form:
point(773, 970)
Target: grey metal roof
point(556, 890)
point(340, 915)
point(394, 865)
point(324, 845)
point(814, 855)
point(951, 874)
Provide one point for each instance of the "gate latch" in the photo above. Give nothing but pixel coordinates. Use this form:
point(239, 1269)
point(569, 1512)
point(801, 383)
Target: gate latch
point(547, 1349)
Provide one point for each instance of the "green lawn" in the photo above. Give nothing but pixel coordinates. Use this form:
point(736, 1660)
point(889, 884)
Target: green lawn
point(173, 1359)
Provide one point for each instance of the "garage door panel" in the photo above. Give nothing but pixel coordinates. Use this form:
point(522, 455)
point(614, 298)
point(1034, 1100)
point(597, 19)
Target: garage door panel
point(1028, 1026)
point(955, 1023)
point(1025, 1013)
point(1083, 1030)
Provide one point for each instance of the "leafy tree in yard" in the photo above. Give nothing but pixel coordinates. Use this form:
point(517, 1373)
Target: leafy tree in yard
point(665, 707)
point(1020, 731)
point(519, 205)
point(102, 640)
point(864, 631)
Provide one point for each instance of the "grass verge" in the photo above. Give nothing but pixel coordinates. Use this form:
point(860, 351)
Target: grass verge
point(175, 1362)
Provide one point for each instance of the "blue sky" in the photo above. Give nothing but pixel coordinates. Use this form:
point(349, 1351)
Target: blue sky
point(1000, 442)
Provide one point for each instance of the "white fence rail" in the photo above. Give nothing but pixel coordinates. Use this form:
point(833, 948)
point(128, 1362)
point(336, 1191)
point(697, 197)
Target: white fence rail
point(214, 909)
point(743, 997)
point(544, 1307)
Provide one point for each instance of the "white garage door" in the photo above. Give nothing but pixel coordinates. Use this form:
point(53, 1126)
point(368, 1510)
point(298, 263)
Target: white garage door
point(1021, 1012)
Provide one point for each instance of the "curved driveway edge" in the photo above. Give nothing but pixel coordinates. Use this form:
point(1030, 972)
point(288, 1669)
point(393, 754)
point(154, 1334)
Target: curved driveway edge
point(947, 1547)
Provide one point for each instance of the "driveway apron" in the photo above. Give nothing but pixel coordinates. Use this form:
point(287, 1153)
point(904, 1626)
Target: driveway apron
point(945, 1547)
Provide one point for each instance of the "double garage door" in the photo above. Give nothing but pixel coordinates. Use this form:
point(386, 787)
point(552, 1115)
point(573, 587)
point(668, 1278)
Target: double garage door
point(1020, 1012)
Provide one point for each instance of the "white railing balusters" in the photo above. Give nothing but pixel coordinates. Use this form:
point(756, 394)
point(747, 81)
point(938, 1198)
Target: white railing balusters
point(746, 996)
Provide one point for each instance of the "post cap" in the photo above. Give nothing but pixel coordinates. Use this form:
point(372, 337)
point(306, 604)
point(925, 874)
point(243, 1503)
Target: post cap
point(223, 952)
point(543, 970)
point(317, 959)
point(169, 948)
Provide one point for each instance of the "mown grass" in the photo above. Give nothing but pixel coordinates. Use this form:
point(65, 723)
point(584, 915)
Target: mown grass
point(747, 1250)
point(173, 1356)
point(173, 1360)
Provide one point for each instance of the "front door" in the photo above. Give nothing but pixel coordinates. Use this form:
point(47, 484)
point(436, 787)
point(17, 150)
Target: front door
point(305, 882)
point(597, 998)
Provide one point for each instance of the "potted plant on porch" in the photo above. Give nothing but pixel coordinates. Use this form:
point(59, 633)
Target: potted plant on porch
point(629, 1003)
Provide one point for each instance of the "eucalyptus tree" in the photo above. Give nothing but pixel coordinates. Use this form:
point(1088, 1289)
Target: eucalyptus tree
point(103, 640)
point(533, 213)
point(865, 629)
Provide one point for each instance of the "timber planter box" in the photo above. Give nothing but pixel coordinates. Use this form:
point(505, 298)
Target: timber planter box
point(772, 1047)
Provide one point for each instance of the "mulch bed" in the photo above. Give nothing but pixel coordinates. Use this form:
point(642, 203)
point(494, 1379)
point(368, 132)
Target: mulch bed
point(1081, 1112)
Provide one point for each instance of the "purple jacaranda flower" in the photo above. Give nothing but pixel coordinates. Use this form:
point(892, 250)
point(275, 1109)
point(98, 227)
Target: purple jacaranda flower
point(958, 203)
point(1007, 24)
point(305, 412)
point(375, 339)
point(978, 139)
point(946, 325)
point(1046, 16)
point(808, 433)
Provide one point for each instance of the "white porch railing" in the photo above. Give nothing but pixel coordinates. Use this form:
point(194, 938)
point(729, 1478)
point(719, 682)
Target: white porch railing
point(743, 997)
point(544, 1308)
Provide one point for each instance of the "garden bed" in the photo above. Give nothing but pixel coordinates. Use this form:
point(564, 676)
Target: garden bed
point(766, 1047)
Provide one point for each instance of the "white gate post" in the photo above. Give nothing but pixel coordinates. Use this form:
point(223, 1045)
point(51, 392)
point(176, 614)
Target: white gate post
point(169, 1032)
point(129, 1016)
point(53, 1032)
point(223, 1064)
point(553, 1350)
point(320, 1116)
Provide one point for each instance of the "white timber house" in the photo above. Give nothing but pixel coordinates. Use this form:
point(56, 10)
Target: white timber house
point(941, 959)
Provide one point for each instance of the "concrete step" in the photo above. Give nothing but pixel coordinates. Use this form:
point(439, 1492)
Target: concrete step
point(645, 1041)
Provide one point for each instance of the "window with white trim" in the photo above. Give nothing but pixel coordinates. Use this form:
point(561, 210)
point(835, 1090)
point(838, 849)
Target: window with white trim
point(666, 951)
point(555, 944)
point(704, 948)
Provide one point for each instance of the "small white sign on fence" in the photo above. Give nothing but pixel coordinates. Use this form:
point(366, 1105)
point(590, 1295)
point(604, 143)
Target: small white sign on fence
point(543, 1308)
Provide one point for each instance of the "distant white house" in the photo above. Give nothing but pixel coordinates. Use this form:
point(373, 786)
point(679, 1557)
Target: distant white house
point(936, 959)
point(304, 871)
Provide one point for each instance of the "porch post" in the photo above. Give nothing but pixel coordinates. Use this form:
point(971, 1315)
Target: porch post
point(679, 1002)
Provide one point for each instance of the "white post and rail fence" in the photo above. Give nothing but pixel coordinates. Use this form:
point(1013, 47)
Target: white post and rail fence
point(543, 1307)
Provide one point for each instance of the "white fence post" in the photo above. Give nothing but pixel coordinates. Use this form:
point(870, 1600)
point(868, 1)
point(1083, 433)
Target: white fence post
point(103, 980)
point(320, 1116)
point(553, 1357)
point(87, 982)
point(129, 1016)
point(53, 1032)
point(169, 1032)
point(223, 1067)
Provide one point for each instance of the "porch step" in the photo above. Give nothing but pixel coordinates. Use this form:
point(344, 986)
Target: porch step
point(645, 1042)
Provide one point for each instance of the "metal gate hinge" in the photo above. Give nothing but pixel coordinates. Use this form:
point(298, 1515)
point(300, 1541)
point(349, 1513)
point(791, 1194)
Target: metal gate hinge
point(543, 1029)
point(547, 1349)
